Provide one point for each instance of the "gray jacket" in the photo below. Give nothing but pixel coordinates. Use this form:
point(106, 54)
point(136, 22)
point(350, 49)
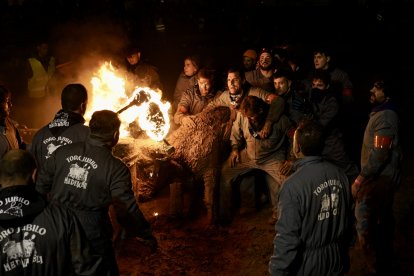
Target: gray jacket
point(314, 227)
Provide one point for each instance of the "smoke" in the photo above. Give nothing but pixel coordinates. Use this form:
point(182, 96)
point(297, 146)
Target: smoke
point(81, 47)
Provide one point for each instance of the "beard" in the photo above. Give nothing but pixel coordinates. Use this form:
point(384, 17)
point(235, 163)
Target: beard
point(257, 125)
point(266, 67)
point(375, 102)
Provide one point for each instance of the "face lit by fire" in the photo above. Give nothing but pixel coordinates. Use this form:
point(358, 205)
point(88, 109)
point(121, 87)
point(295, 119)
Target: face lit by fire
point(282, 85)
point(204, 85)
point(265, 60)
point(189, 68)
point(134, 58)
point(321, 61)
point(5, 107)
point(319, 84)
point(234, 83)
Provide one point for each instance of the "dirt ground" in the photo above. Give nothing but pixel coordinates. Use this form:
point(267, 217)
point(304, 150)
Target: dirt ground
point(244, 247)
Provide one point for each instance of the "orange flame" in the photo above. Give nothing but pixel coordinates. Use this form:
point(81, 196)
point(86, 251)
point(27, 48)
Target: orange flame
point(109, 93)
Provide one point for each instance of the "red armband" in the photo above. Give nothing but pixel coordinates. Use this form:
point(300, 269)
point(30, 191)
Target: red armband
point(382, 142)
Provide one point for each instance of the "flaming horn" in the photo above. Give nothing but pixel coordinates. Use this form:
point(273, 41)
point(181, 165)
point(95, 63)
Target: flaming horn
point(140, 97)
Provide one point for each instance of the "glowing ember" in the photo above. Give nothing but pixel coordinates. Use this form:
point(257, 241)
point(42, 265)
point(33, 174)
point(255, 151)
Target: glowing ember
point(109, 92)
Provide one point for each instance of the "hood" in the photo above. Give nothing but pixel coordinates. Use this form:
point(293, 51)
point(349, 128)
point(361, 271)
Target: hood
point(64, 120)
point(19, 205)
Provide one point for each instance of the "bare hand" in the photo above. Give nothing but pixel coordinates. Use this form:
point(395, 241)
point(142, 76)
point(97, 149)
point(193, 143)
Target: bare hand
point(267, 128)
point(356, 187)
point(234, 158)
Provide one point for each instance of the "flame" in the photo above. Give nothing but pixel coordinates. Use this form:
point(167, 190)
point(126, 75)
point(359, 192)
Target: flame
point(109, 93)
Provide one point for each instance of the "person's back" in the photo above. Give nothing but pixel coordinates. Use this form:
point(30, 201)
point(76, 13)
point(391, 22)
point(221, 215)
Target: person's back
point(67, 126)
point(38, 239)
point(314, 226)
point(87, 178)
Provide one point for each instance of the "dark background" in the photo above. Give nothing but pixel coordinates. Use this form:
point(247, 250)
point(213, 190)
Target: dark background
point(366, 37)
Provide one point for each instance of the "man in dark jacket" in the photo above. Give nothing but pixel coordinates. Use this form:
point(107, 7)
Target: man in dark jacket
point(380, 174)
point(314, 226)
point(325, 110)
point(67, 126)
point(37, 239)
point(87, 178)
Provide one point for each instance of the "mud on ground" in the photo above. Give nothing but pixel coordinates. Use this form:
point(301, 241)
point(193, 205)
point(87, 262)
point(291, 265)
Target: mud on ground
point(242, 248)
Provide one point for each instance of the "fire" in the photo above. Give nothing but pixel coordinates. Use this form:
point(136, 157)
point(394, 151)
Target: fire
point(109, 92)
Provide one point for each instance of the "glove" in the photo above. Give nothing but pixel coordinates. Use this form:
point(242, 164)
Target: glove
point(188, 122)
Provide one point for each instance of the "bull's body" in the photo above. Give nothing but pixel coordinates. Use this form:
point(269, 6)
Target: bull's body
point(200, 148)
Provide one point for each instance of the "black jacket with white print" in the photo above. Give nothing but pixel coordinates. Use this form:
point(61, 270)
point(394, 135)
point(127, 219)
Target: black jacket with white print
point(40, 239)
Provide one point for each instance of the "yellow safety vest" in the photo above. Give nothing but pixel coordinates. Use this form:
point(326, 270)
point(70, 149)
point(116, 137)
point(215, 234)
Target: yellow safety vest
point(38, 83)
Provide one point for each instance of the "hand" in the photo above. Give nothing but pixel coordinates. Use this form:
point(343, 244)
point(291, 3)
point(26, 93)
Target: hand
point(234, 158)
point(356, 187)
point(286, 167)
point(188, 122)
point(266, 129)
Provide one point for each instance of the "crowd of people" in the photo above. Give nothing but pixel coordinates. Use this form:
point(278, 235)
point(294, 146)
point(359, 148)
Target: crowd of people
point(283, 140)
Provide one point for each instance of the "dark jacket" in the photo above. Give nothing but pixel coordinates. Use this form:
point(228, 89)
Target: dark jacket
point(88, 178)
point(41, 240)
point(66, 128)
point(383, 121)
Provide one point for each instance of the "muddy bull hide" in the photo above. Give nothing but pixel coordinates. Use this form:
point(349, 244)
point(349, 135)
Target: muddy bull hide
point(199, 150)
